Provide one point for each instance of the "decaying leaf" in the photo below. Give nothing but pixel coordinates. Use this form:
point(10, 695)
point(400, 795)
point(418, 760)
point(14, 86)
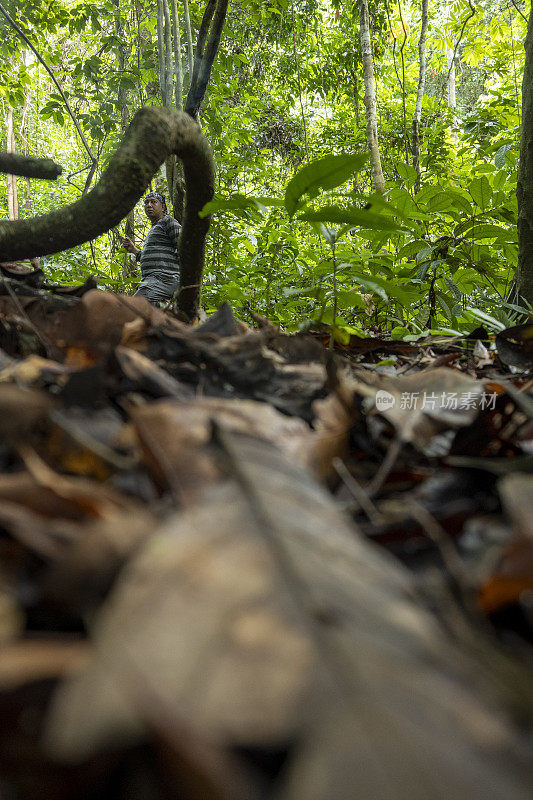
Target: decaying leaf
point(263, 631)
point(422, 404)
point(176, 437)
point(512, 576)
point(515, 346)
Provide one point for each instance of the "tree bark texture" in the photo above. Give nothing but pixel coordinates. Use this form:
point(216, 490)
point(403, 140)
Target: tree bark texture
point(12, 194)
point(370, 97)
point(128, 270)
point(153, 134)
point(29, 167)
point(206, 50)
point(524, 189)
point(420, 92)
point(188, 35)
point(161, 61)
point(176, 40)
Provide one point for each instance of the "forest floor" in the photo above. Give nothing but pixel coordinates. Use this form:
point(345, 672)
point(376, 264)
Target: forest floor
point(240, 563)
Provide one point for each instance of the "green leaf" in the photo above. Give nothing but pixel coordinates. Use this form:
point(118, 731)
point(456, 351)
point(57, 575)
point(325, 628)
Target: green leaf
point(500, 154)
point(452, 286)
point(340, 334)
point(376, 202)
point(237, 202)
point(500, 180)
point(443, 302)
point(411, 248)
point(373, 287)
point(488, 231)
point(407, 173)
point(481, 192)
point(356, 217)
point(460, 200)
point(399, 332)
point(440, 202)
point(326, 173)
point(484, 317)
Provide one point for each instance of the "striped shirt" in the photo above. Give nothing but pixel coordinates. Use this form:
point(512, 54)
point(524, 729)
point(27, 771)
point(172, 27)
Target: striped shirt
point(160, 249)
point(158, 260)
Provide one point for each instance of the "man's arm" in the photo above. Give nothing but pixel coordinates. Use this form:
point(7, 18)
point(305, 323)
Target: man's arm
point(173, 229)
point(130, 246)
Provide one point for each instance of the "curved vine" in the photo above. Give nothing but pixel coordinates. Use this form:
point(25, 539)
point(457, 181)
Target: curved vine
point(154, 134)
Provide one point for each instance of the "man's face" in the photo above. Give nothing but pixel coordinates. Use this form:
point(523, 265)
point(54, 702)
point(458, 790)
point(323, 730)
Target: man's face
point(153, 209)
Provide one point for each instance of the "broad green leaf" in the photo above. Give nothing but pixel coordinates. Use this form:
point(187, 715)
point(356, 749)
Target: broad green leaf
point(373, 286)
point(481, 192)
point(326, 173)
point(500, 155)
point(500, 180)
point(487, 230)
point(407, 206)
point(411, 248)
point(460, 200)
point(356, 217)
point(484, 317)
point(452, 286)
point(407, 173)
point(237, 202)
point(340, 334)
point(376, 202)
point(393, 290)
point(399, 332)
point(423, 270)
point(444, 304)
point(440, 202)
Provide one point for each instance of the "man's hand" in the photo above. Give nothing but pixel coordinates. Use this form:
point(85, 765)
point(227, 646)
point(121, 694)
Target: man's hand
point(129, 246)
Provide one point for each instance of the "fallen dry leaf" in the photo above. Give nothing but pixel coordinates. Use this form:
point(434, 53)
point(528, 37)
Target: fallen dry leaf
point(291, 623)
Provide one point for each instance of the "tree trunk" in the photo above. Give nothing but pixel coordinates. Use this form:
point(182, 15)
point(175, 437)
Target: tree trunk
point(175, 177)
point(176, 40)
point(420, 92)
point(12, 194)
point(188, 35)
point(450, 62)
point(128, 270)
point(370, 97)
point(524, 189)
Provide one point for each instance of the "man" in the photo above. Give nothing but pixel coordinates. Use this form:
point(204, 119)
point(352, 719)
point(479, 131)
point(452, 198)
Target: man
point(158, 258)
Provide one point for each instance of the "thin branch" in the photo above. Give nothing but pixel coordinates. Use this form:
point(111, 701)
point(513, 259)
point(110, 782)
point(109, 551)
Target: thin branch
point(47, 68)
point(519, 11)
point(359, 493)
point(385, 468)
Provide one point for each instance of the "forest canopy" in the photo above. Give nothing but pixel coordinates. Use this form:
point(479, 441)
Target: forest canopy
point(428, 244)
